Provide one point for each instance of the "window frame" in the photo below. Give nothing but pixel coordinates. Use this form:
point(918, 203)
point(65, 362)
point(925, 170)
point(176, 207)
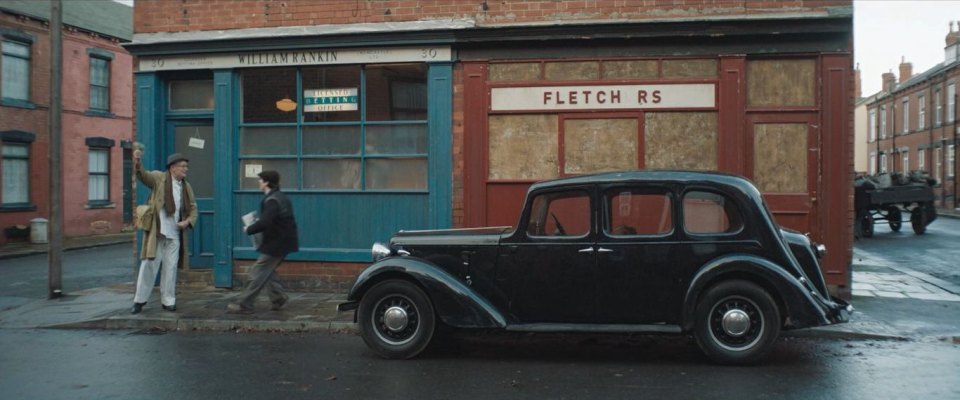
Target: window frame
point(105, 145)
point(611, 192)
point(872, 125)
point(906, 114)
point(951, 102)
point(106, 57)
point(554, 194)
point(25, 40)
point(951, 160)
point(905, 160)
point(921, 111)
point(922, 159)
point(737, 223)
point(883, 163)
point(938, 114)
point(883, 122)
point(938, 156)
point(872, 167)
point(24, 139)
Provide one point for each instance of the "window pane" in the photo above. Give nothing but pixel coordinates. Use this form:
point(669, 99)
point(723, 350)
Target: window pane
point(16, 49)
point(396, 139)
point(16, 76)
point(98, 161)
point(347, 77)
point(330, 140)
point(99, 187)
point(286, 168)
point(15, 174)
point(709, 213)
point(191, 95)
point(98, 98)
point(396, 92)
point(560, 214)
point(281, 140)
point(635, 212)
point(99, 72)
point(343, 173)
point(396, 173)
point(14, 150)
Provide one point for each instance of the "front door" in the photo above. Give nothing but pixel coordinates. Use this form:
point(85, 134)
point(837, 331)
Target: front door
point(194, 139)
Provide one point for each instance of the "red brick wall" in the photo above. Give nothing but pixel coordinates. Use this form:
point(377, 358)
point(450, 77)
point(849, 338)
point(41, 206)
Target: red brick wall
point(198, 15)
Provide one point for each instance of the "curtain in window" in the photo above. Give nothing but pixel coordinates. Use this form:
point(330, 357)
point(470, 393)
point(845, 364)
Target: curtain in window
point(99, 175)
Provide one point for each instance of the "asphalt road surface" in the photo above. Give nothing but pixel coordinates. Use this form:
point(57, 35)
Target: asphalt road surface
point(936, 253)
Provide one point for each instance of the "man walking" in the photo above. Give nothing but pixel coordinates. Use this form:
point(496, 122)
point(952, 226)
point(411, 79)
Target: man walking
point(279, 230)
point(175, 210)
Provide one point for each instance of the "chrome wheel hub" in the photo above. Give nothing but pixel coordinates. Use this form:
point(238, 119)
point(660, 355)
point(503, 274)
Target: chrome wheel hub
point(395, 319)
point(735, 322)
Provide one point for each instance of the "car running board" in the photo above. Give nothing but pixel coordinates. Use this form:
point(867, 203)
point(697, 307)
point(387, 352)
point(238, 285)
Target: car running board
point(596, 328)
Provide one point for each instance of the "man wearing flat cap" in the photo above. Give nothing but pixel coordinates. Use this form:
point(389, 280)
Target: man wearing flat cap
point(175, 210)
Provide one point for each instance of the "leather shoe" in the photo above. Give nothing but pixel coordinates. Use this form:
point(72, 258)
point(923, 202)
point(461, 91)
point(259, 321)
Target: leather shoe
point(137, 307)
point(170, 308)
point(276, 305)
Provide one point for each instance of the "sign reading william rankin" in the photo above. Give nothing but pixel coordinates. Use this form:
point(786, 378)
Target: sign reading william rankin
point(605, 97)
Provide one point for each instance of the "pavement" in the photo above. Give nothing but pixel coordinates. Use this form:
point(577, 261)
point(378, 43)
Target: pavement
point(891, 303)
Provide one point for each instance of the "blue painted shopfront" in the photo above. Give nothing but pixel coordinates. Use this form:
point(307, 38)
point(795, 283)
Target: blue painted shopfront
point(335, 225)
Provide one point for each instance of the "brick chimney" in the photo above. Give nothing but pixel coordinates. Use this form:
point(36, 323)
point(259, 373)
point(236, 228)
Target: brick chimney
point(906, 70)
point(857, 85)
point(952, 50)
point(888, 81)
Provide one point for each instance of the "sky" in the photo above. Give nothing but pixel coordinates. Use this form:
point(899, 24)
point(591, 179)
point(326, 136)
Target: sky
point(884, 31)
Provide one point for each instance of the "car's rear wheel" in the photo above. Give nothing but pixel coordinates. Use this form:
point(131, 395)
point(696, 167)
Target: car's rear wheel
point(396, 319)
point(737, 322)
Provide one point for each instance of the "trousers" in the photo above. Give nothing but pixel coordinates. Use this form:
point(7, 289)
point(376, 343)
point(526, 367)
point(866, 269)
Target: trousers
point(168, 256)
point(263, 275)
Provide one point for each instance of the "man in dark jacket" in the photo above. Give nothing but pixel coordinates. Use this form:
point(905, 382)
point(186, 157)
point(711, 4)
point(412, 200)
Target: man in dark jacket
point(279, 230)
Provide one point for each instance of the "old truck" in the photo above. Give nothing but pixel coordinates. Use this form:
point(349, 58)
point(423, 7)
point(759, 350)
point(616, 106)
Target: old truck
point(885, 198)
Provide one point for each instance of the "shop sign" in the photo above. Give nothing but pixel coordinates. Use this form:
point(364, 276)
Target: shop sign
point(324, 100)
point(605, 97)
point(296, 58)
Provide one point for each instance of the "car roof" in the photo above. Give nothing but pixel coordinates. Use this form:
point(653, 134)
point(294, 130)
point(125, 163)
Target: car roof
point(675, 176)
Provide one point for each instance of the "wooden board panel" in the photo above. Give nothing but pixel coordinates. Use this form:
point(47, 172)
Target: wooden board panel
point(689, 68)
point(514, 72)
point(566, 71)
point(632, 69)
point(680, 140)
point(780, 83)
point(780, 157)
point(523, 147)
point(596, 145)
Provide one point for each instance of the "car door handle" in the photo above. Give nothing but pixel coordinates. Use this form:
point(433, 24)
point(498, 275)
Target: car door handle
point(586, 250)
point(604, 250)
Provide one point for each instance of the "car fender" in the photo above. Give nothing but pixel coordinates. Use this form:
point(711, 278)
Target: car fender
point(802, 309)
point(456, 304)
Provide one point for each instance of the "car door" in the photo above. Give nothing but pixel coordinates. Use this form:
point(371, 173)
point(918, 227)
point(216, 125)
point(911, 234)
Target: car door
point(550, 260)
point(637, 255)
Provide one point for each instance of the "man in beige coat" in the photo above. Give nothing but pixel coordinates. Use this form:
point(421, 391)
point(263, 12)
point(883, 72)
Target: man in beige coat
point(175, 210)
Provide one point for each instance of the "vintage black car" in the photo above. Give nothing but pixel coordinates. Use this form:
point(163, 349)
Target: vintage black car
point(638, 251)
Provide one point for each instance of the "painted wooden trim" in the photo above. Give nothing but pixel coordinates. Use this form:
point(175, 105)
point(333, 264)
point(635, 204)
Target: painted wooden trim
point(440, 133)
point(223, 122)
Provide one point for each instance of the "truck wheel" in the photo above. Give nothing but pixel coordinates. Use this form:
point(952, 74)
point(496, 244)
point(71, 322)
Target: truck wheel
point(396, 319)
point(737, 322)
point(895, 218)
point(866, 226)
point(918, 219)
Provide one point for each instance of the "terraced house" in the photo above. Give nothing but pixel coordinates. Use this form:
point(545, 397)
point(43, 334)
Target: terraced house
point(415, 114)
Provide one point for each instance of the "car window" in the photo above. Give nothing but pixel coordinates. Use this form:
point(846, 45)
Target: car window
point(706, 212)
point(560, 214)
point(637, 211)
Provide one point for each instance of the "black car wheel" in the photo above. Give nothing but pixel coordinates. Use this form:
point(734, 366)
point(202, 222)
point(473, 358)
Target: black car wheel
point(895, 218)
point(737, 322)
point(396, 319)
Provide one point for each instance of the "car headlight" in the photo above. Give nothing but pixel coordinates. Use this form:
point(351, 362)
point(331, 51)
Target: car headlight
point(379, 251)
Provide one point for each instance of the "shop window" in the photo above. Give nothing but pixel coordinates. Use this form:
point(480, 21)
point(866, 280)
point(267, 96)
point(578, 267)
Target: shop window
point(357, 127)
point(680, 140)
point(15, 82)
point(191, 95)
point(630, 69)
point(15, 167)
point(597, 145)
point(689, 68)
point(710, 213)
point(569, 71)
point(636, 211)
point(781, 83)
point(780, 157)
point(99, 80)
point(514, 72)
point(523, 147)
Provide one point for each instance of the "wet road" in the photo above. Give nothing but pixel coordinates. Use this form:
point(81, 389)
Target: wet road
point(935, 253)
point(57, 364)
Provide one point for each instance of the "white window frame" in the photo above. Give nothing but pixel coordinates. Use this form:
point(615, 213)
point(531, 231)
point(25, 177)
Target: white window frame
point(905, 159)
point(938, 106)
point(98, 172)
point(951, 102)
point(938, 155)
point(906, 115)
point(872, 168)
point(951, 153)
point(922, 159)
point(921, 112)
point(883, 163)
point(883, 122)
point(872, 125)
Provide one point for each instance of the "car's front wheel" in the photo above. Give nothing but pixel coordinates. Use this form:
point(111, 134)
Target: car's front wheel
point(396, 319)
point(737, 322)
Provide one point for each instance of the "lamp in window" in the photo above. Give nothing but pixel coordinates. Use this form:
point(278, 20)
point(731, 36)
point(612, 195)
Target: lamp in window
point(286, 105)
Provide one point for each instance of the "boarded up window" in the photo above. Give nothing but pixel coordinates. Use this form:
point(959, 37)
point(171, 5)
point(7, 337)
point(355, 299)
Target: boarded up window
point(567, 71)
point(681, 140)
point(779, 83)
point(634, 69)
point(596, 145)
point(523, 147)
point(779, 161)
point(515, 72)
point(689, 68)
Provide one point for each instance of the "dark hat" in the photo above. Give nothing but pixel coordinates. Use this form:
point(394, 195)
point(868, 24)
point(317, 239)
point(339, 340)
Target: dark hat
point(175, 158)
point(272, 178)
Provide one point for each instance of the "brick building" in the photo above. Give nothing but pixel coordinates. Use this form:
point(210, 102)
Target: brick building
point(96, 120)
point(388, 115)
point(912, 122)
